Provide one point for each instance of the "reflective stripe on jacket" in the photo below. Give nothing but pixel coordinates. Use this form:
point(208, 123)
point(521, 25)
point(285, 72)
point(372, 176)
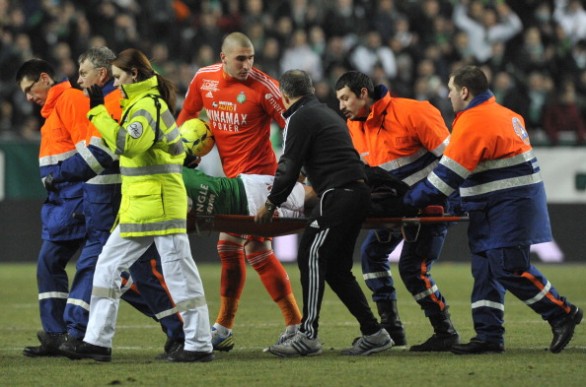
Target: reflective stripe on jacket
point(491, 161)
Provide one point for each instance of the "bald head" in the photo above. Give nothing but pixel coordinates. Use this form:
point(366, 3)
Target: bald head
point(235, 40)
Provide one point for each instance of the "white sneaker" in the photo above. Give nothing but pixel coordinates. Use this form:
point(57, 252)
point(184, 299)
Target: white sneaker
point(288, 333)
point(366, 345)
point(298, 345)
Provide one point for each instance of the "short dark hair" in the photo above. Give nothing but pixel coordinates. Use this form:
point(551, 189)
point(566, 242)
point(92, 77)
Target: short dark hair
point(33, 68)
point(471, 77)
point(296, 83)
point(355, 80)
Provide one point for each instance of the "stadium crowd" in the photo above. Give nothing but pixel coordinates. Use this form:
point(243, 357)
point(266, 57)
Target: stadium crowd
point(534, 52)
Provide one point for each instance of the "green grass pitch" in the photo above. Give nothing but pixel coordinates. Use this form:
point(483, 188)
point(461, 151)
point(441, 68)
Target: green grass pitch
point(526, 361)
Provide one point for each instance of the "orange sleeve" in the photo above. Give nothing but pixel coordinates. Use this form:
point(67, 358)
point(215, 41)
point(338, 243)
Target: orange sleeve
point(429, 125)
point(192, 104)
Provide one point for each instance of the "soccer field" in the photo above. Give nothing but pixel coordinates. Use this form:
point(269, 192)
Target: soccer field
point(526, 361)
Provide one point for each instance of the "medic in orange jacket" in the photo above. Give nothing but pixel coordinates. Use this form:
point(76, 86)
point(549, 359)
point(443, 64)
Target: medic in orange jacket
point(403, 136)
point(240, 114)
point(95, 165)
point(63, 132)
point(491, 162)
point(93, 158)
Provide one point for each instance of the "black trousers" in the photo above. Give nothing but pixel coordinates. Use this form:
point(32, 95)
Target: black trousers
point(325, 255)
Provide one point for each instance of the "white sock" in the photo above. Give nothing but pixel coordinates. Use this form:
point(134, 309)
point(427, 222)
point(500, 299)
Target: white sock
point(222, 330)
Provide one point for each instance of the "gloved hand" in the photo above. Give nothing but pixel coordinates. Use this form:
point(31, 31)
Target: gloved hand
point(50, 184)
point(96, 96)
point(191, 161)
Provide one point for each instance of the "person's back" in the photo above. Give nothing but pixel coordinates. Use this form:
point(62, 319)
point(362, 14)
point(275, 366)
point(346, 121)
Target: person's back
point(491, 157)
point(331, 159)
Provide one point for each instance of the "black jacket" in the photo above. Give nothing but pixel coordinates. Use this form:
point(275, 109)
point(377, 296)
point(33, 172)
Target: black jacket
point(317, 139)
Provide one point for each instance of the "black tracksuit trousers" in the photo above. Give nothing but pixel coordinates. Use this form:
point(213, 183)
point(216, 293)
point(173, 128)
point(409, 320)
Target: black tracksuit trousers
point(326, 255)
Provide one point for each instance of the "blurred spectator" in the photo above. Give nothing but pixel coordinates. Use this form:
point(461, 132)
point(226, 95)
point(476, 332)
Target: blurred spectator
point(317, 40)
point(509, 93)
point(498, 24)
point(402, 85)
point(372, 52)
point(326, 94)
point(300, 56)
point(384, 18)
point(283, 30)
point(335, 54)
point(254, 12)
point(207, 31)
point(539, 87)
point(571, 16)
point(542, 18)
point(346, 18)
point(230, 19)
point(562, 116)
point(532, 54)
point(269, 58)
point(303, 13)
point(183, 35)
point(256, 32)
point(423, 16)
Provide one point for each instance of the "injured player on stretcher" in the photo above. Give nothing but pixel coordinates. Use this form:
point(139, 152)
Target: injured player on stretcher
point(243, 195)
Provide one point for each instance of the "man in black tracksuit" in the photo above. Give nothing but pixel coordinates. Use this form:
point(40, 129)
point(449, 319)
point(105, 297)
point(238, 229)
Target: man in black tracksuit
point(317, 139)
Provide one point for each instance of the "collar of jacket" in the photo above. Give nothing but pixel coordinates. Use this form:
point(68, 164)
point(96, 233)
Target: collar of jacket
point(136, 90)
point(53, 96)
point(378, 110)
point(382, 99)
point(297, 105)
point(480, 98)
point(109, 87)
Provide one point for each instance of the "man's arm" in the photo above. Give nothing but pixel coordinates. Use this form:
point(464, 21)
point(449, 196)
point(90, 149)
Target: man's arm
point(192, 104)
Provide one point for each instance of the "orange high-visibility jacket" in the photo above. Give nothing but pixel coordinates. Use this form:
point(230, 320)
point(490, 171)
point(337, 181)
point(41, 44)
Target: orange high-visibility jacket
point(403, 136)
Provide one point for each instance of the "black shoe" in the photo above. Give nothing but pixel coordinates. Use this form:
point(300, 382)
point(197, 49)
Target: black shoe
point(476, 346)
point(50, 343)
point(390, 321)
point(190, 356)
point(170, 347)
point(398, 335)
point(78, 349)
point(563, 329)
point(437, 343)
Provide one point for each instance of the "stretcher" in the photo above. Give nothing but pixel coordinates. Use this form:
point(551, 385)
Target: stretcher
point(245, 224)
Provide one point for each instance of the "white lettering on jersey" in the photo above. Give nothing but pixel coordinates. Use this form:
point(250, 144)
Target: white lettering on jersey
point(209, 84)
point(228, 121)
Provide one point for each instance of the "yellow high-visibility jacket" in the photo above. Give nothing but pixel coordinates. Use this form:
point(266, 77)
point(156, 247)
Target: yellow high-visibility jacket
point(154, 200)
